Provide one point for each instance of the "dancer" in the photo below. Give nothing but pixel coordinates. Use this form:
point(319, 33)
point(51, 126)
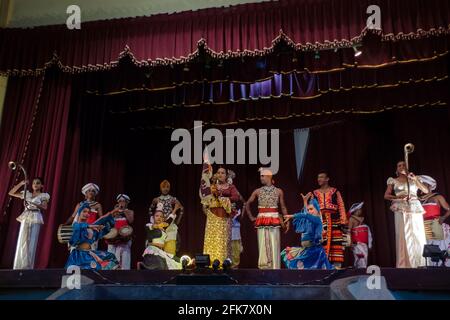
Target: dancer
point(219, 200)
point(308, 222)
point(409, 225)
point(437, 232)
point(30, 222)
point(84, 235)
point(361, 237)
point(236, 242)
point(121, 245)
point(169, 202)
point(334, 219)
point(155, 257)
point(268, 220)
point(90, 192)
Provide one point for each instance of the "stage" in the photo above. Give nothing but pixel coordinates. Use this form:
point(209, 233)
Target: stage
point(244, 284)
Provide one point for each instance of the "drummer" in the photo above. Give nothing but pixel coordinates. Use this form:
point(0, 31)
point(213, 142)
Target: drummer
point(361, 238)
point(120, 245)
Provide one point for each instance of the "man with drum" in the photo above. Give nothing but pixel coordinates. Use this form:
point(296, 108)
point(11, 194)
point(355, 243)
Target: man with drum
point(119, 239)
point(361, 237)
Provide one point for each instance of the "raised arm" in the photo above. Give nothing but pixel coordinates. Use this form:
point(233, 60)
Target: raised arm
point(14, 192)
point(72, 217)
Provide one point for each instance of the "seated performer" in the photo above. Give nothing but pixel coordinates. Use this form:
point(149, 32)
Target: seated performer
point(170, 205)
point(84, 235)
point(121, 245)
point(361, 238)
point(308, 222)
point(155, 258)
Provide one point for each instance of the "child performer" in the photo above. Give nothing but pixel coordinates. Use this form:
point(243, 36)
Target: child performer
point(361, 237)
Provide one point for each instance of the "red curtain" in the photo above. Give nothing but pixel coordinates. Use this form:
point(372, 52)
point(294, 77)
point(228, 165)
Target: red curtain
point(244, 30)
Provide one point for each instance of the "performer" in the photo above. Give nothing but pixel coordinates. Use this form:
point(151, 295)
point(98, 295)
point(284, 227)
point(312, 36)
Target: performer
point(219, 199)
point(311, 254)
point(437, 232)
point(334, 219)
point(268, 220)
point(90, 191)
point(120, 246)
point(236, 243)
point(30, 222)
point(155, 257)
point(409, 226)
point(84, 235)
point(361, 237)
point(169, 203)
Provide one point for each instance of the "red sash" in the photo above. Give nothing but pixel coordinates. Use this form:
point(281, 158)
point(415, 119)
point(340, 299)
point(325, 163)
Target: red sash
point(432, 211)
point(360, 234)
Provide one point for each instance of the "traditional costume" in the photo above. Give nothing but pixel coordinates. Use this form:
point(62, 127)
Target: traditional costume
point(361, 238)
point(81, 252)
point(219, 205)
point(236, 242)
point(93, 213)
point(120, 246)
point(311, 254)
point(334, 218)
point(156, 258)
point(30, 224)
point(168, 203)
point(409, 226)
point(268, 226)
point(435, 233)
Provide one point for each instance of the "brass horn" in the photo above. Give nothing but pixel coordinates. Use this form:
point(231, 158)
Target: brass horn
point(12, 165)
point(409, 148)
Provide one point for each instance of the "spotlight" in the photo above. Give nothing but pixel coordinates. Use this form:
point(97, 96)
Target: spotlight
point(294, 59)
point(317, 55)
point(202, 261)
point(226, 265)
point(186, 68)
point(357, 52)
point(185, 261)
point(220, 64)
point(216, 265)
point(261, 64)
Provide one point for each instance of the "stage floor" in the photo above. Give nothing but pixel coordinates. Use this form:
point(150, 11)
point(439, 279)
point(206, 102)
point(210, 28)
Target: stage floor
point(236, 284)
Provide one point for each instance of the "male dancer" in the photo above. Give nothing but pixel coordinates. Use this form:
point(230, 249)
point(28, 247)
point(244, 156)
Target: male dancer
point(361, 237)
point(169, 204)
point(268, 220)
point(334, 218)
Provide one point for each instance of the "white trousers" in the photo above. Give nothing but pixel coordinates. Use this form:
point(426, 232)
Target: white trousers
point(122, 251)
point(269, 248)
point(26, 245)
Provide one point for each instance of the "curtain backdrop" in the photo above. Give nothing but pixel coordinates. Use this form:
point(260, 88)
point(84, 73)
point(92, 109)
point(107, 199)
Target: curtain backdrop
point(243, 30)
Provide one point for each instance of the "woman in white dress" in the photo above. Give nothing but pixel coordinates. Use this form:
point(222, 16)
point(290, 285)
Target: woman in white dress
point(30, 222)
point(409, 227)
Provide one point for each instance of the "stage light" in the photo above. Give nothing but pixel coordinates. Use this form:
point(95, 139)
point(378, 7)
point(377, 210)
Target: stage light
point(202, 261)
point(185, 261)
point(357, 52)
point(186, 68)
point(220, 64)
point(216, 265)
point(226, 265)
point(261, 64)
point(435, 253)
point(317, 55)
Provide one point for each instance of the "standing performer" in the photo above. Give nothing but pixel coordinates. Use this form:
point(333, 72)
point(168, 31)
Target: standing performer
point(437, 232)
point(219, 199)
point(90, 191)
point(409, 227)
point(311, 254)
point(155, 257)
point(268, 220)
point(121, 246)
point(169, 203)
point(361, 237)
point(84, 236)
point(334, 219)
point(30, 222)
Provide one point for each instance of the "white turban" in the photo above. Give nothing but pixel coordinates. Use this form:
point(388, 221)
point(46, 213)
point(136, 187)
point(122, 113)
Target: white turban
point(265, 172)
point(429, 181)
point(355, 206)
point(123, 196)
point(90, 186)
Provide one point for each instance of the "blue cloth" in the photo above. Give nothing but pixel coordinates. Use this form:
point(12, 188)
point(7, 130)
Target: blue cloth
point(91, 259)
point(314, 256)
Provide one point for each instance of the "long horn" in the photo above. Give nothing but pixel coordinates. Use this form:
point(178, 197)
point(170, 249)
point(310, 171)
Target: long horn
point(12, 165)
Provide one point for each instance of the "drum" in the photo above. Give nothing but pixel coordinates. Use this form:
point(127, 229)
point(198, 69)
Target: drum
point(64, 233)
point(360, 234)
point(433, 230)
point(126, 231)
point(112, 234)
